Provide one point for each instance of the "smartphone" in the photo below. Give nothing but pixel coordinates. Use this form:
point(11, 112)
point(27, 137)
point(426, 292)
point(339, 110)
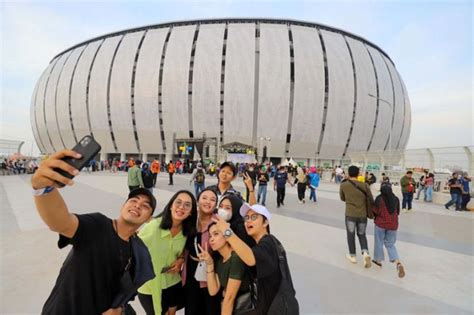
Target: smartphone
point(88, 148)
point(165, 269)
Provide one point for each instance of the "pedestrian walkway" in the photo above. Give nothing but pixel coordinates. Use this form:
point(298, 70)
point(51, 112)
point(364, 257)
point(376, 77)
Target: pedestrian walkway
point(435, 245)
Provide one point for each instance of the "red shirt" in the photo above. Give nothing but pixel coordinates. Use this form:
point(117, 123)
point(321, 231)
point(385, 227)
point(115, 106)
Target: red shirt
point(383, 218)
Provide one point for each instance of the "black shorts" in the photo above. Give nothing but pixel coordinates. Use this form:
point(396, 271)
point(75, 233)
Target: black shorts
point(172, 296)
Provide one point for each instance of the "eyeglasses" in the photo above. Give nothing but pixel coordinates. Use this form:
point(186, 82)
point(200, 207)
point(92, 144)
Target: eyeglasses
point(252, 217)
point(185, 205)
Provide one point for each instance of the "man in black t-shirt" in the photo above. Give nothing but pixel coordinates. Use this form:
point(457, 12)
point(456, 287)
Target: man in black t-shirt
point(90, 277)
point(455, 189)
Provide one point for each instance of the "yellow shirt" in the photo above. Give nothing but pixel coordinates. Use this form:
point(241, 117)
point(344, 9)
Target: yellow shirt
point(164, 250)
point(361, 178)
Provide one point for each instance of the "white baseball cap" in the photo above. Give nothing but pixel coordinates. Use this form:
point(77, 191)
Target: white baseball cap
point(257, 208)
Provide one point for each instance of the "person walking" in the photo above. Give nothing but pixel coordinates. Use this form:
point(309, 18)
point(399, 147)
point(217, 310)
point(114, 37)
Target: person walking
point(155, 170)
point(386, 209)
point(356, 195)
point(171, 171)
point(429, 183)
point(422, 186)
point(198, 177)
point(301, 184)
point(263, 179)
point(279, 184)
point(135, 179)
point(408, 186)
point(314, 179)
point(147, 177)
point(455, 189)
point(466, 191)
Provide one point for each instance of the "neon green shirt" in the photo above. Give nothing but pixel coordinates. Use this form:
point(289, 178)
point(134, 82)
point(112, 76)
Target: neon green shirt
point(164, 250)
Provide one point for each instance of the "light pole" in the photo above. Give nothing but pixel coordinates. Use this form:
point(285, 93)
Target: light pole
point(390, 131)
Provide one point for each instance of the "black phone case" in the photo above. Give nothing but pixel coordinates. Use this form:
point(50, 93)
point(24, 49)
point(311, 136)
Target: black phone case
point(88, 148)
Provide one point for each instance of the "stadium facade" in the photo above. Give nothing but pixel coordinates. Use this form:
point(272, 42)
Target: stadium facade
point(301, 89)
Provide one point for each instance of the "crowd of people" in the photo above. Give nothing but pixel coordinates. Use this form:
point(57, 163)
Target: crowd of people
point(209, 251)
point(18, 166)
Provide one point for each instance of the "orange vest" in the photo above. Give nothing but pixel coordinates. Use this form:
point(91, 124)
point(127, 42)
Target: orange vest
point(171, 168)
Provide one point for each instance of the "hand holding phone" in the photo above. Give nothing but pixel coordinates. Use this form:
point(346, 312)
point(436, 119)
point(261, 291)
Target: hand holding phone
point(87, 148)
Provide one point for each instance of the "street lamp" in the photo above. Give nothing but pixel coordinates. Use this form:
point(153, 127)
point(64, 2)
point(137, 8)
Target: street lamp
point(390, 131)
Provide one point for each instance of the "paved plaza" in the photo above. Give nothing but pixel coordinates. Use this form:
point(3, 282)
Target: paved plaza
point(435, 245)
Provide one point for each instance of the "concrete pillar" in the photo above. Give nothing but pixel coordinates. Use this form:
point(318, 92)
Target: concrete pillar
point(122, 156)
point(168, 157)
point(144, 157)
point(103, 156)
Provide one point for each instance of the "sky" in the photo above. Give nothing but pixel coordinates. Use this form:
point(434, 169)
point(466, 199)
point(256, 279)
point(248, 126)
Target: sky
point(430, 43)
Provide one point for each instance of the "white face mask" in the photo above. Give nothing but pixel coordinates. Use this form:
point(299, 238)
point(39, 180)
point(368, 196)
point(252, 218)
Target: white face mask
point(224, 214)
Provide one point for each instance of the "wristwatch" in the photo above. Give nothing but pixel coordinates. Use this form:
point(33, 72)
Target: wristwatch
point(228, 233)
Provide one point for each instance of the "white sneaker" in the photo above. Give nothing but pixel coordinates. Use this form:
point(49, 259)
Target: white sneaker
point(367, 260)
point(351, 258)
point(405, 210)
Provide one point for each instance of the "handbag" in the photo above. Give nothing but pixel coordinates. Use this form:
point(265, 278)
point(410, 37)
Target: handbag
point(247, 301)
point(201, 270)
point(368, 202)
point(284, 302)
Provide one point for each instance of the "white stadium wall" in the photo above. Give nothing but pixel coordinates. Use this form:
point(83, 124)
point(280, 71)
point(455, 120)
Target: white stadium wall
point(305, 86)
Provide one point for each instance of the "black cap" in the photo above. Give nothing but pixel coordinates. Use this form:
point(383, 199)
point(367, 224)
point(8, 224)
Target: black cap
point(146, 192)
point(231, 165)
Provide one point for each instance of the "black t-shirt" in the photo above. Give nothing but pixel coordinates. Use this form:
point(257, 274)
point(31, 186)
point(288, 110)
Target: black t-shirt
point(268, 273)
point(90, 276)
point(262, 178)
point(454, 190)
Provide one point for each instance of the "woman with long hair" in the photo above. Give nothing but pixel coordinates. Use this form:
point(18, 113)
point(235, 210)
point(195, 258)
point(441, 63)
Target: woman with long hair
point(228, 210)
point(198, 301)
point(386, 209)
point(165, 236)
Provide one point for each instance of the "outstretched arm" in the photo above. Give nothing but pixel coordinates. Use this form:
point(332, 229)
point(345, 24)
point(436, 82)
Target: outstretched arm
point(51, 206)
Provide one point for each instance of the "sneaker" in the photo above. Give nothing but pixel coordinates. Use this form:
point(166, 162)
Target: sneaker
point(304, 201)
point(367, 260)
point(300, 202)
point(409, 210)
point(400, 270)
point(404, 210)
point(447, 208)
point(351, 258)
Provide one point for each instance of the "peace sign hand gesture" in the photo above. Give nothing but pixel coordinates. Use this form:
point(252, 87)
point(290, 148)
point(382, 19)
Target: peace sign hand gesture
point(204, 255)
point(248, 181)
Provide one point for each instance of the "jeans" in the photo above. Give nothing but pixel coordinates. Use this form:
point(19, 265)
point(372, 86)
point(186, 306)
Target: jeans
point(407, 199)
point(155, 175)
point(198, 187)
point(150, 189)
point(422, 189)
point(130, 188)
point(171, 179)
point(359, 224)
point(312, 194)
point(455, 199)
point(388, 238)
point(429, 194)
point(301, 187)
point(280, 196)
point(465, 200)
point(262, 194)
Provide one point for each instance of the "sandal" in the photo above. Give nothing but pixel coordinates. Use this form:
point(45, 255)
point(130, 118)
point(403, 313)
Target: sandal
point(401, 270)
point(377, 263)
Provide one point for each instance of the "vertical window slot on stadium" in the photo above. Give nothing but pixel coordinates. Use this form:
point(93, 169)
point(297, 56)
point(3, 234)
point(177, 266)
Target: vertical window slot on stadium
point(354, 76)
point(70, 93)
point(56, 101)
point(377, 99)
point(112, 135)
point(160, 84)
point(292, 90)
point(224, 50)
point(88, 86)
point(256, 83)
point(392, 107)
point(190, 81)
point(44, 104)
point(326, 91)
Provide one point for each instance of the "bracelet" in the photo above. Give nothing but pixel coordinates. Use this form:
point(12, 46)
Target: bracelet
point(42, 191)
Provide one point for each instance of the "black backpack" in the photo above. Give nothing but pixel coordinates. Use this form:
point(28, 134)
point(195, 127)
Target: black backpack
point(200, 176)
point(285, 302)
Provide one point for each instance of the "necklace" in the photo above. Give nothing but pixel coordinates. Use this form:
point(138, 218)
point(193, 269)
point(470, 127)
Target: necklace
point(122, 255)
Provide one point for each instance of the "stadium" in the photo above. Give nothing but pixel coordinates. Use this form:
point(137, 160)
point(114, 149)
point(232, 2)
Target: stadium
point(271, 88)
